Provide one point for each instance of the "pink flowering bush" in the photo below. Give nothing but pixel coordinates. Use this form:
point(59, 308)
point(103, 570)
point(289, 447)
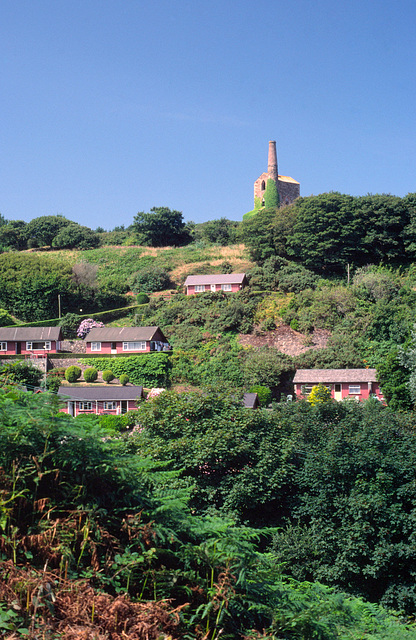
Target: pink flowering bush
point(86, 326)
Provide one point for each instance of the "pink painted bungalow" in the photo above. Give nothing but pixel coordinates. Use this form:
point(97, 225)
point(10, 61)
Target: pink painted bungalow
point(231, 282)
point(98, 399)
point(126, 340)
point(359, 384)
point(31, 341)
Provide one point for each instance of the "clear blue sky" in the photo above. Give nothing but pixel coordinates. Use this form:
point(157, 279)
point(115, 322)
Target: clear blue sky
point(110, 107)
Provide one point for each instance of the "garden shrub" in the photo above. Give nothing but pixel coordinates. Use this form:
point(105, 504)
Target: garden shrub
point(90, 374)
point(108, 376)
point(73, 373)
point(124, 379)
point(86, 326)
point(264, 394)
point(142, 298)
point(152, 279)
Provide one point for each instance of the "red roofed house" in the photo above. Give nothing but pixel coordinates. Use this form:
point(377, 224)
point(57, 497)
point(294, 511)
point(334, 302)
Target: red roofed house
point(216, 282)
point(359, 384)
point(36, 341)
point(126, 340)
point(98, 399)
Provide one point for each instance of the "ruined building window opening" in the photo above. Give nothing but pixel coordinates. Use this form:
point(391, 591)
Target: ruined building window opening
point(263, 185)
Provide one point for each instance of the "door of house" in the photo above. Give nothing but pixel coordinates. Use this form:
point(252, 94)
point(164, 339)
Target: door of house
point(213, 287)
point(114, 347)
point(337, 392)
point(71, 408)
point(18, 348)
point(124, 406)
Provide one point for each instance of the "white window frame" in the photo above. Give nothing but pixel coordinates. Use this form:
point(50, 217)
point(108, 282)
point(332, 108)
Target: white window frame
point(199, 288)
point(46, 345)
point(85, 406)
point(306, 389)
point(352, 389)
point(95, 346)
point(131, 346)
point(226, 287)
point(109, 406)
point(3, 346)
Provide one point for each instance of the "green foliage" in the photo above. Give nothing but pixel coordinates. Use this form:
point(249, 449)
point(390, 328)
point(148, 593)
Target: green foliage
point(12, 235)
point(20, 373)
point(108, 375)
point(54, 379)
point(264, 394)
point(41, 231)
point(267, 233)
point(221, 231)
point(90, 374)
point(124, 379)
point(161, 227)
point(152, 279)
point(142, 298)
point(319, 395)
point(151, 370)
point(69, 324)
point(5, 318)
point(72, 373)
point(271, 195)
point(76, 236)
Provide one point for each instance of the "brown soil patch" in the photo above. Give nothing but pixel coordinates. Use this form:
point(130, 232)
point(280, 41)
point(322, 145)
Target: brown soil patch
point(287, 340)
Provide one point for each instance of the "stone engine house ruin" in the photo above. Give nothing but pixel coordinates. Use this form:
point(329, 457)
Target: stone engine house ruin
point(288, 188)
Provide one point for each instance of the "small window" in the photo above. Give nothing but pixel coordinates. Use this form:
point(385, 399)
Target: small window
point(109, 406)
point(199, 288)
point(85, 406)
point(38, 346)
point(263, 185)
point(226, 287)
point(95, 346)
point(354, 389)
point(306, 389)
point(135, 346)
point(3, 346)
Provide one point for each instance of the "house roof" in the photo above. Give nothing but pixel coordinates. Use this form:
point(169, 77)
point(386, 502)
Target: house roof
point(315, 376)
point(30, 333)
point(216, 278)
point(250, 400)
point(117, 334)
point(287, 179)
point(97, 392)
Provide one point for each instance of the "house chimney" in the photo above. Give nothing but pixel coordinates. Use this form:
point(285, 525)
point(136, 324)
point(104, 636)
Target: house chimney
point(272, 161)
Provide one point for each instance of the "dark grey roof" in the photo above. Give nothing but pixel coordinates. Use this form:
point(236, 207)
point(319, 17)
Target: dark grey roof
point(98, 392)
point(250, 400)
point(312, 376)
point(117, 334)
point(216, 278)
point(30, 333)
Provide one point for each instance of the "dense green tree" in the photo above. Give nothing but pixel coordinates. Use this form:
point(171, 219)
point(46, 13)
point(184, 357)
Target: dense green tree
point(325, 233)
point(20, 373)
point(12, 235)
point(151, 279)
point(221, 231)
point(41, 231)
point(267, 233)
point(161, 227)
point(75, 236)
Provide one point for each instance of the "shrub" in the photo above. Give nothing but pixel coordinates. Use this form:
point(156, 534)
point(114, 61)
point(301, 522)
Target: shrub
point(108, 376)
point(69, 324)
point(5, 318)
point(73, 373)
point(319, 395)
point(152, 279)
point(124, 379)
point(264, 394)
point(54, 379)
point(90, 374)
point(142, 298)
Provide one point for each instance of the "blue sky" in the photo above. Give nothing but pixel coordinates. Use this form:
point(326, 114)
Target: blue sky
point(110, 107)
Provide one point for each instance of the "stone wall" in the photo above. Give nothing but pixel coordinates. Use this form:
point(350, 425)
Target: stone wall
point(288, 191)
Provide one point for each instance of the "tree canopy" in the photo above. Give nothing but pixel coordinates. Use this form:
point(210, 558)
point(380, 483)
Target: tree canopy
point(161, 227)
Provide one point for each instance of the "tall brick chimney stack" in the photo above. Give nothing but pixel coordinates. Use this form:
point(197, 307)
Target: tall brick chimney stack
point(272, 161)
